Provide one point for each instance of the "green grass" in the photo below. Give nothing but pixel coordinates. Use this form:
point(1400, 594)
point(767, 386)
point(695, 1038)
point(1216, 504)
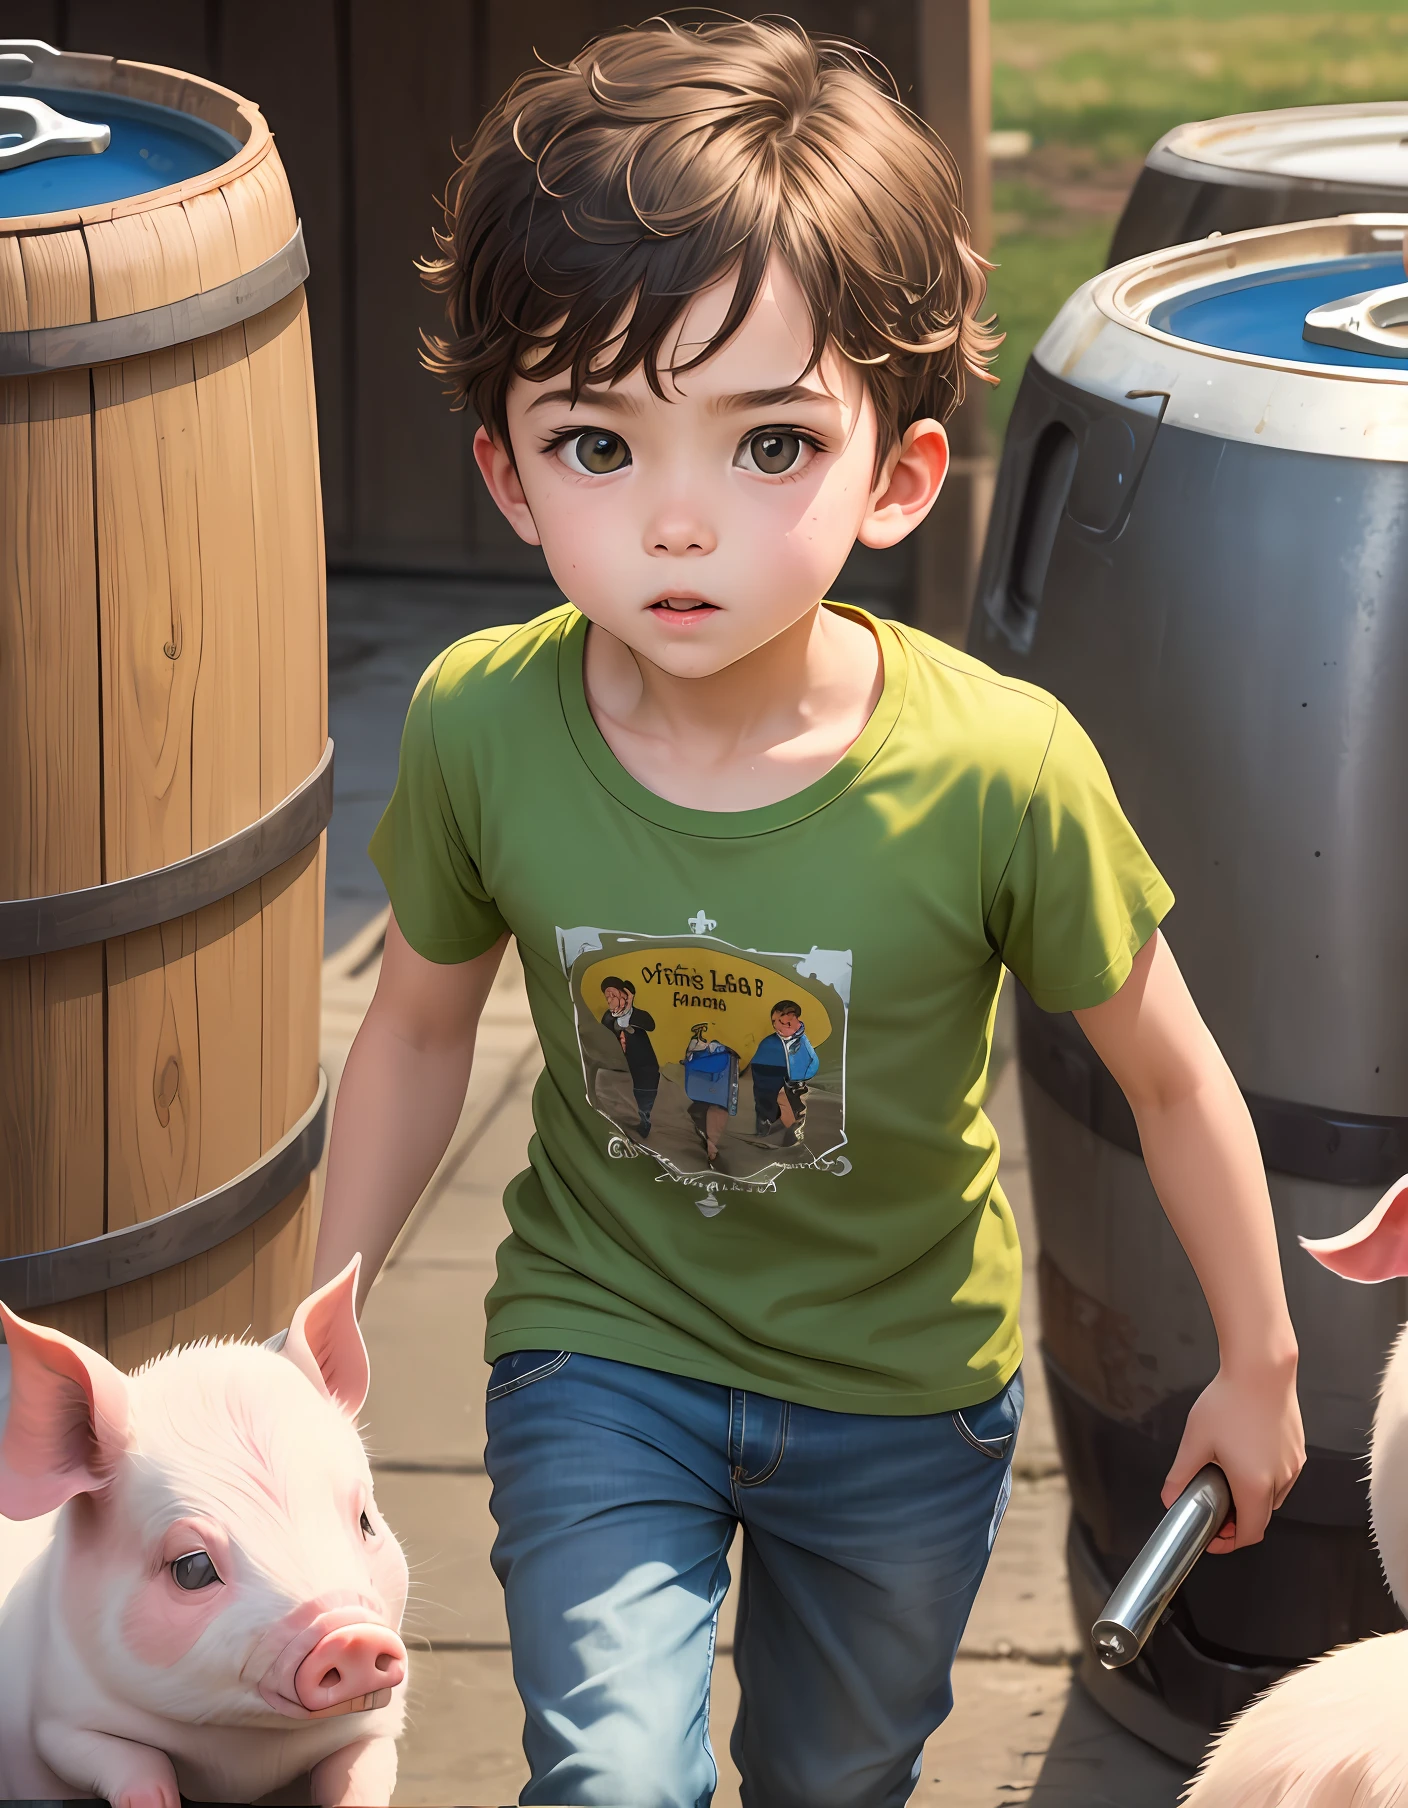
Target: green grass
point(1096, 82)
point(1035, 274)
point(1117, 86)
point(1123, 12)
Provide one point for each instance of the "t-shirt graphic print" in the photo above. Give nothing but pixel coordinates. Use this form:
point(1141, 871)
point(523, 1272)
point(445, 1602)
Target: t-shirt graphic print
point(725, 1065)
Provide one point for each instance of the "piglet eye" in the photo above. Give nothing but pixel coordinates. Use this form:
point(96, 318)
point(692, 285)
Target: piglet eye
point(194, 1570)
point(366, 1526)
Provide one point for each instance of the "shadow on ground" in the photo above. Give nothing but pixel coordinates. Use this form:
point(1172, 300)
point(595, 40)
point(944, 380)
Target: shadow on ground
point(1092, 1763)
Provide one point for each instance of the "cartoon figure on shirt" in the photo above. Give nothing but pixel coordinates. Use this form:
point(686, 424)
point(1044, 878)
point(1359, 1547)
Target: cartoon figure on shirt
point(711, 1086)
point(780, 1068)
point(632, 1027)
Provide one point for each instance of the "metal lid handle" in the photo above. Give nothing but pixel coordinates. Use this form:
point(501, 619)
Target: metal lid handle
point(19, 56)
point(30, 131)
point(1364, 322)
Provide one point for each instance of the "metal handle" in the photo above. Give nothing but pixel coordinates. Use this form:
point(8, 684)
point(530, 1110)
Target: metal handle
point(1157, 1573)
point(1363, 323)
point(19, 57)
point(30, 130)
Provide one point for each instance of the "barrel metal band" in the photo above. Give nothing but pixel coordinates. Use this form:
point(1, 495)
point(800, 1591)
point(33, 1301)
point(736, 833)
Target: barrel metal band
point(73, 919)
point(49, 348)
point(1341, 1148)
point(51, 1275)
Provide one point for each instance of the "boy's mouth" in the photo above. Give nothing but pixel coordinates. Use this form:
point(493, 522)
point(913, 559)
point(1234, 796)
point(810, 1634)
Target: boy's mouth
point(682, 610)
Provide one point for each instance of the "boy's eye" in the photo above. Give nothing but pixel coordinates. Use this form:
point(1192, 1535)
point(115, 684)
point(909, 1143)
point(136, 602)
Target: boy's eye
point(596, 453)
point(771, 452)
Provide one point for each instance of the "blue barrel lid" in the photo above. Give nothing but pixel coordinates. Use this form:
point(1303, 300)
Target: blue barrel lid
point(1263, 312)
point(151, 147)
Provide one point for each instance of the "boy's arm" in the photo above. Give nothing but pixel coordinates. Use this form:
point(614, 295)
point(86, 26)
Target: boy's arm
point(398, 1102)
point(1202, 1155)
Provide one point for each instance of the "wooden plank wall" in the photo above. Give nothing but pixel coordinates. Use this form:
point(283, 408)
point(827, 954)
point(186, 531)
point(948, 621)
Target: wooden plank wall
point(365, 100)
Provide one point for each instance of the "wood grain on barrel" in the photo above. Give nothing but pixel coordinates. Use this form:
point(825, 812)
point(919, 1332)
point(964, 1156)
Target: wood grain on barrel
point(149, 566)
point(195, 474)
point(146, 422)
point(51, 1008)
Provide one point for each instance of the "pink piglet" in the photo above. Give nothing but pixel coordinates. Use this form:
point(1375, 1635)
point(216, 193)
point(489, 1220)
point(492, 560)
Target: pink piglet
point(1335, 1733)
point(197, 1593)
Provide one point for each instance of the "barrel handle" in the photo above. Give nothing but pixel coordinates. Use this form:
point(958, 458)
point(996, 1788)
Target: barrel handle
point(1161, 1568)
point(1044, 489)
point(31, 131)
point(1363, 323)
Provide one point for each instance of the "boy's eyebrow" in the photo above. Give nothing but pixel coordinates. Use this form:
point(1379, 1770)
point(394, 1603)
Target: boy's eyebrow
point(610, 399)
point(782, 397)
point(747, 401)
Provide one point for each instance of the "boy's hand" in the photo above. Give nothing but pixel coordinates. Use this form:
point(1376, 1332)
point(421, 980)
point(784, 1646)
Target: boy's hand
point(1249, 1425)
point(1202, 1155)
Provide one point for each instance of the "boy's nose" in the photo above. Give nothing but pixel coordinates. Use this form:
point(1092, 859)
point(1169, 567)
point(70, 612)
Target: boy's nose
point(679, 535)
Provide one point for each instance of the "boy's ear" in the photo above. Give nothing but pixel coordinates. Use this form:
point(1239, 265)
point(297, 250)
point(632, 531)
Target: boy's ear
point(908, 488)
point(501, 479)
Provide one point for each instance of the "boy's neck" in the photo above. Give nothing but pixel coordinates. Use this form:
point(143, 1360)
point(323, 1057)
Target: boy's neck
point(754, 733)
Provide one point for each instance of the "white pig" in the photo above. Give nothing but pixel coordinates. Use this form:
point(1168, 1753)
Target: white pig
point(1335, 1734)
point(216, 1611)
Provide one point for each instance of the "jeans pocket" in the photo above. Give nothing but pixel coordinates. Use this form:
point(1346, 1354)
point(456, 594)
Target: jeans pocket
point(990, 1427)
point(521, 1368)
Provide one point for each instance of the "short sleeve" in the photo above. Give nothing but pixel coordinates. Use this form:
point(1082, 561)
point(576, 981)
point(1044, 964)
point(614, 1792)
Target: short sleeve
point(1079, 896)
point(441, 903)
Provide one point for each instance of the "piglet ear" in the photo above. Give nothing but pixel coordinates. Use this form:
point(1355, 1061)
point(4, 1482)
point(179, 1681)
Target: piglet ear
point(1376, 1248)
point(324, 1341)
point(67, 1425)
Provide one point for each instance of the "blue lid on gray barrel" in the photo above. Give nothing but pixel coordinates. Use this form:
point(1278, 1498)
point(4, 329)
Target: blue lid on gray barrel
point(1263, 312)
point(148, 147)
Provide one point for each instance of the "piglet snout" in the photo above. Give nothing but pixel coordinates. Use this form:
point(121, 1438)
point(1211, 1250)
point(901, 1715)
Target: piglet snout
point(349, 1665)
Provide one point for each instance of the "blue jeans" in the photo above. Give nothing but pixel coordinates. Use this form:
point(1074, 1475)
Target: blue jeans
point(616, 1492)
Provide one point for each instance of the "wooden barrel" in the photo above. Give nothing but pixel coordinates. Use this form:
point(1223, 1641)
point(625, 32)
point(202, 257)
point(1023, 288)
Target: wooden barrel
point(165, 771)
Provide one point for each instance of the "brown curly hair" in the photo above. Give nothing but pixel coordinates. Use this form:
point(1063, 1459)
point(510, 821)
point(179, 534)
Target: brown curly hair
point(596, 200)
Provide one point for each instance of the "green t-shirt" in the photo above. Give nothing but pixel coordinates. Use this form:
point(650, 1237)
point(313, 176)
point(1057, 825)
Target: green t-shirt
point(761, 1157)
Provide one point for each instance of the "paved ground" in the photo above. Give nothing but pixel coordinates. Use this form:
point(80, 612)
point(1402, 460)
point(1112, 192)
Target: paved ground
point(1023, 1731)
point(382, 634)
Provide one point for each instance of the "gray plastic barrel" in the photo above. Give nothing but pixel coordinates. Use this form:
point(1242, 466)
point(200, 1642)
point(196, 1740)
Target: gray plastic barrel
point(1266, 169)
point(1199, 542)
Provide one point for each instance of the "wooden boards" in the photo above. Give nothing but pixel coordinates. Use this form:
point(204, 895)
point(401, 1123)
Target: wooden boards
point(162, 685)
point(52, 1128)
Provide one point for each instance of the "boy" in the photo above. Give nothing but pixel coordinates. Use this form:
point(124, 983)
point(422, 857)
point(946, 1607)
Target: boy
point(708, 291)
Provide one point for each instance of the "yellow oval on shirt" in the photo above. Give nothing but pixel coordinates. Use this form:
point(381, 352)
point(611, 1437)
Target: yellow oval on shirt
point(682, 988)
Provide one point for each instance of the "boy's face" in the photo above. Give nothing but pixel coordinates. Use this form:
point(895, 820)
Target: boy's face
point(616, 1001)
point(786, 1023)
point(697, 528)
